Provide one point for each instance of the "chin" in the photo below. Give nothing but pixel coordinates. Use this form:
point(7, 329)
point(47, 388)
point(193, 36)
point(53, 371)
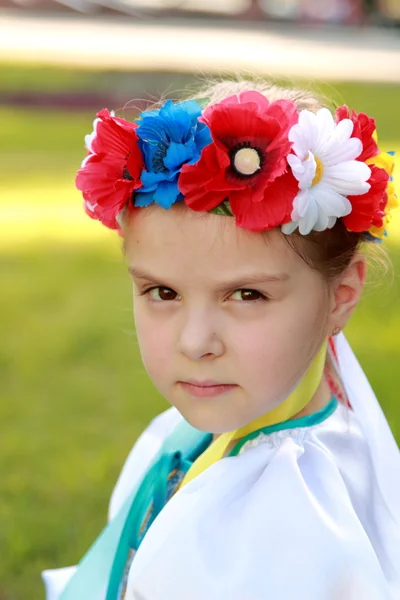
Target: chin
point(209, 420)
point(214, 415)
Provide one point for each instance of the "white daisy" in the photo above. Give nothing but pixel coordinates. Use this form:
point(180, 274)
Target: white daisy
point(323, 162)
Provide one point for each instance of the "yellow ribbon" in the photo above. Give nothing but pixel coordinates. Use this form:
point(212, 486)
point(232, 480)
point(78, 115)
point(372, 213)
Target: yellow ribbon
point(290, 407)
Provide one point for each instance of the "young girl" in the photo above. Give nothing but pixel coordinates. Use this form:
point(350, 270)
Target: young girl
point(274, 475)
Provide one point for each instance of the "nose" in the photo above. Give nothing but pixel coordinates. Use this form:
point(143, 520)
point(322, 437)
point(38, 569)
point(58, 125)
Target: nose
point(199, 336)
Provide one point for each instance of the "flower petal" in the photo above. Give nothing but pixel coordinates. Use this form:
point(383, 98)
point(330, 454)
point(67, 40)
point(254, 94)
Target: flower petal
point(289, 228)
point(331, 202)
point(150, 180)
point(318, 208)
point(303, 170)
point(364, 128)
point(274, 209)
point(192, 108)
point(203, 137)
point(339, 135)
point(170, 138)
point(301, 142)
point(348, 178)
point(177, 154)
point(249, 215)
point(236, 123)
point(325, 128)
point(305, 211)
point(204, 201)
point(345, 151)
point(367, 208)
point(111, 137)
point(166, 194)
point(144, 199)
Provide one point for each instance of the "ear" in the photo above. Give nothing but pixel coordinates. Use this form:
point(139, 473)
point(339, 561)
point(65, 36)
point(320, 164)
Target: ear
point(346, 292)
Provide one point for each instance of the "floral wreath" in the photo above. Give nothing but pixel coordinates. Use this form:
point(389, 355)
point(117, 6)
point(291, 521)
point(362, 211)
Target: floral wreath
point(266, 163)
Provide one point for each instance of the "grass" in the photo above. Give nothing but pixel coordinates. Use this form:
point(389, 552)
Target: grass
point(74, 393)
point(74, 398)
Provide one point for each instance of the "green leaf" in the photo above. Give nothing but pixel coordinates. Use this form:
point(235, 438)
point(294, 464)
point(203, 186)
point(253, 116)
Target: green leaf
point(223, 209)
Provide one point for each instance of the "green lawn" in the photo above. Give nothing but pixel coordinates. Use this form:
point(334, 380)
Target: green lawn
point(74, 395)
point(74, 398)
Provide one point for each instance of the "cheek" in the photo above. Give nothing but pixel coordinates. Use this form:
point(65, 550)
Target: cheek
point(277, 349)
point(155, 342)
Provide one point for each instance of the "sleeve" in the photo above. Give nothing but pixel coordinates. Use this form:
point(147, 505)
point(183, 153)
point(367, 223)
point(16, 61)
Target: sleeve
point(141, 455)
point(271, 524)
point(139, 458)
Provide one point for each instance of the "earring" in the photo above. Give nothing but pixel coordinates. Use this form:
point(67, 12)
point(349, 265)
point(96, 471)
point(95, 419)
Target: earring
point(336, 331)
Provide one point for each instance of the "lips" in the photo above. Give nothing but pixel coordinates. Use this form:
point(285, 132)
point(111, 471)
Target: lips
point(205, 383)
point(206, 388)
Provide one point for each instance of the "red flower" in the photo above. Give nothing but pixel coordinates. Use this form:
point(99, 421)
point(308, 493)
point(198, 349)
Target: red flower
point(368, 209)
point(111, 172)
point(364, 128)
point(260, 199)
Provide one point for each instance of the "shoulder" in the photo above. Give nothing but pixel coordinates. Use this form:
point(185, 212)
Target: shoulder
point(140, 457)
point(276, 521)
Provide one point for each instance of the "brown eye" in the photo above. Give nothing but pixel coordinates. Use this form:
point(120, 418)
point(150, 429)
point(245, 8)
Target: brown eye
point(162, 293)
point(247, 295)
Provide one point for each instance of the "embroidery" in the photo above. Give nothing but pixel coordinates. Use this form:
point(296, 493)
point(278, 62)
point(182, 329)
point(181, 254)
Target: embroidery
point(174, 480)
point(276, 439)
point(124, 580)
point(298, 434)
point(145, 523)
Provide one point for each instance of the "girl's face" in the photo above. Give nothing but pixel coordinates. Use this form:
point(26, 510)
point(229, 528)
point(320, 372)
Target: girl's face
point(228, 321)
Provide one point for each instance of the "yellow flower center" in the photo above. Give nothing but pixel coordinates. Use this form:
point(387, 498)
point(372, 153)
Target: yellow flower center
point(319, 171)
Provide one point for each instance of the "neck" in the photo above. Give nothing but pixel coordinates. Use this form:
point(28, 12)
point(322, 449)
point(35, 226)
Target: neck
point(318, 401)
point(312, 393)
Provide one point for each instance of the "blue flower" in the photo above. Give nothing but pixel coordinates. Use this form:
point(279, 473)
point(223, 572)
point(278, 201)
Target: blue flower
point(168, 138)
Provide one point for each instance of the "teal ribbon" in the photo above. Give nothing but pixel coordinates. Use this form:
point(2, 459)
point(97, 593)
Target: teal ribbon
point(100, 574)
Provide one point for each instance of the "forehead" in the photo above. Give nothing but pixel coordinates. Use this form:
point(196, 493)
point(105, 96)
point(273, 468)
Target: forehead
point(180, 239)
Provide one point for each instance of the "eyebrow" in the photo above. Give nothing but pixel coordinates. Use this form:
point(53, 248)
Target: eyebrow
point(251, 278)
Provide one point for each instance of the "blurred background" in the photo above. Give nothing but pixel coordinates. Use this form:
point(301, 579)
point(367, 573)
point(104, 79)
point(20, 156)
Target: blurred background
point(74, 395)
